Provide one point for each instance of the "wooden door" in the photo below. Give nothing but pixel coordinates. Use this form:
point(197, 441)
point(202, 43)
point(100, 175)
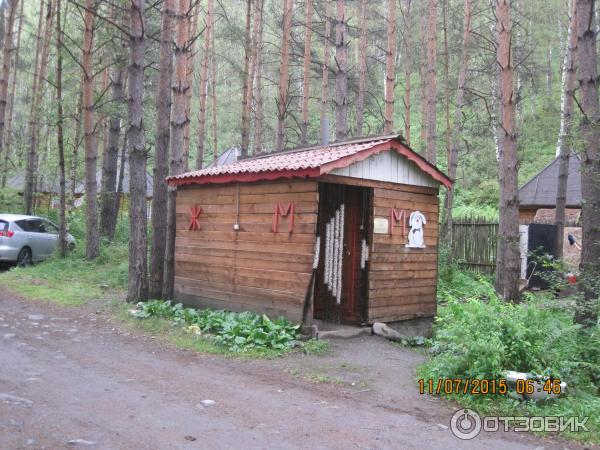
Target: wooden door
point(340, 288)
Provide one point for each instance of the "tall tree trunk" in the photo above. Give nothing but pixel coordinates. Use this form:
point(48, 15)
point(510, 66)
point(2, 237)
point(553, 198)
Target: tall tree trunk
point(76, 144)
point(90, 136)
point(8, 130)
point(446, 80)
point(246, 82)
point(325, 76)
point(587, 74)
point(178, 120)
point(108, 191)
point(7, 50)
point(407, 69)
point(258, 98)
point(108, 213)
point(564, 136)
point(206, 59)
point(256, 28)
point(122, 163)
point(190, 62)
point(390, 68)
point(306, 72)
point(458, 112)
point(341, 76)
point(549, 74)
point(161, 150)
point(62, 229)
point(137, 289)
point(362, 66)
point(507, 265)
point(423, 76)
point(431, 133)
point(213, 103)
point(34, 112)
point(282, 100)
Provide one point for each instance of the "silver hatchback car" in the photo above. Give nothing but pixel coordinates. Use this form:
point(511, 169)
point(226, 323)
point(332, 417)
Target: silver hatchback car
point(25, 239)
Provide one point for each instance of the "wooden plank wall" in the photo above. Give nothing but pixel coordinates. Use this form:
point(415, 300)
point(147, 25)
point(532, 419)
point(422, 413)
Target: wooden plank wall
point(253, 269)
point(403, 281)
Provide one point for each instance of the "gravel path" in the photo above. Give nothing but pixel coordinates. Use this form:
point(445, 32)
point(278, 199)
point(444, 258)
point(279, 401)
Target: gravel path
point(75, 378)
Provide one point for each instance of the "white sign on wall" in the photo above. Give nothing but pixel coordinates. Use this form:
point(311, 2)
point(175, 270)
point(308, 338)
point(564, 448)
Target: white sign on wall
point(416, 221)
point(381, 225)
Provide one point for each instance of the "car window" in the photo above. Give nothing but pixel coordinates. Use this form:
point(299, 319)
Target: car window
point(36, 226)
point(3, 225)
point(22, 224)
point(50, 227)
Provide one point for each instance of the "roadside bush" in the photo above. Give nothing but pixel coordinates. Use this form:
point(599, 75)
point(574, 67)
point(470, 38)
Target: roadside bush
point(457, 283)
point(236, 331)
point(483, 339)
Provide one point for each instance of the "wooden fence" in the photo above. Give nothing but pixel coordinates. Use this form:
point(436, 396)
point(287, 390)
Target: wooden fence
point(474, 244)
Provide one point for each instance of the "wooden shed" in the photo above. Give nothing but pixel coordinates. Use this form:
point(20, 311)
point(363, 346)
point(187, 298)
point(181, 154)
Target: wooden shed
point(537, 197)
point(346, 232)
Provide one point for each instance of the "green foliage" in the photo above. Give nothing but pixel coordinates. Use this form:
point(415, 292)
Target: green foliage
point(457, 283)
point(478, 339)
point(10, 201)
point(236, 331)
point(477, 201)
point(478, 336)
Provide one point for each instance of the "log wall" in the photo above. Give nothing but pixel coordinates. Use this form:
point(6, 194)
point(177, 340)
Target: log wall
point(254, 268)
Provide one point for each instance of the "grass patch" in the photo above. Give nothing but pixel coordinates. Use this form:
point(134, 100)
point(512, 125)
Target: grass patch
point(321, 377)
point(72, 280)
point(316, 347)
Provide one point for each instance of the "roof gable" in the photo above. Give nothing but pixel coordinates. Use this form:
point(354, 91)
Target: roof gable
point(542, 188)
point(389, 167)
point(308, 163)
point(229, 156)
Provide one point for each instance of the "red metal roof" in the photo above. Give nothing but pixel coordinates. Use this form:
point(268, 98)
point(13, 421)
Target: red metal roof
point(306, 163)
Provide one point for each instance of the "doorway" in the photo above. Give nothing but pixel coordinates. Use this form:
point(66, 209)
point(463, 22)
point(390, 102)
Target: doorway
point(341, 279)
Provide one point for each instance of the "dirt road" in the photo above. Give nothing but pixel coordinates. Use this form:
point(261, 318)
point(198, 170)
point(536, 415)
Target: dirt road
point(73, 378)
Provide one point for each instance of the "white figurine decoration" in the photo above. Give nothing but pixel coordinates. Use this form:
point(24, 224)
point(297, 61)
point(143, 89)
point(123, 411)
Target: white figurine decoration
point(415, 235)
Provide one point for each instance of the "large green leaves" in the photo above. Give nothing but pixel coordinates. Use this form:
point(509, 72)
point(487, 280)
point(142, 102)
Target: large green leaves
point(236, 331)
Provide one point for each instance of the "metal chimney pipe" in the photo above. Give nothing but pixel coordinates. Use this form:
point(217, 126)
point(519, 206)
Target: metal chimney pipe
point(325, 130)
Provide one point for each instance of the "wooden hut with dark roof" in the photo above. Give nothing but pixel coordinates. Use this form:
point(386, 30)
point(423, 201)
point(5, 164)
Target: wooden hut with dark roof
point(537, 197)
point(346, 232)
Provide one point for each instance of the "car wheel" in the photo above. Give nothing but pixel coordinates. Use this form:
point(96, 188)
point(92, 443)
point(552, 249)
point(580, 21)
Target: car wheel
point(71, 247)
point(24, 258)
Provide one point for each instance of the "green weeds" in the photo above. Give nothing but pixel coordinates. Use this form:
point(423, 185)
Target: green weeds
point(238, 332)
point(476, 335)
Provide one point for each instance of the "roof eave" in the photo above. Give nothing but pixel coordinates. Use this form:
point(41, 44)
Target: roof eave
point(244, 177)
